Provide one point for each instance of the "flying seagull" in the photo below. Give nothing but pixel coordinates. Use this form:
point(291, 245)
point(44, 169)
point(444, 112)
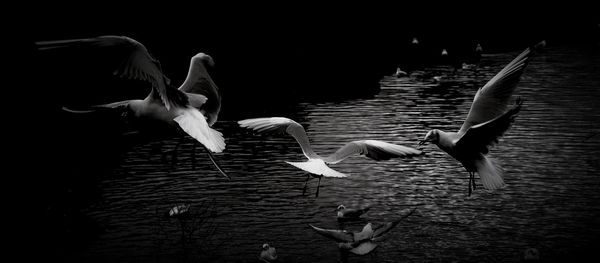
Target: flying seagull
point(486, 122)
point(193, 107)
point(363, 242)
point(317, 165)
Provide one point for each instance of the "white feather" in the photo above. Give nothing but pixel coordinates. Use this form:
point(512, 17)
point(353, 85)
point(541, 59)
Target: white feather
point(193, 122)
point(490, 174)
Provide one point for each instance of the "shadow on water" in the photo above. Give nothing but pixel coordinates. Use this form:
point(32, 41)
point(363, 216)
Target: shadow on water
point(111, 202)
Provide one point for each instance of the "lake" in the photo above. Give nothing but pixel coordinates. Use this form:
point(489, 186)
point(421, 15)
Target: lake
point(550, 156)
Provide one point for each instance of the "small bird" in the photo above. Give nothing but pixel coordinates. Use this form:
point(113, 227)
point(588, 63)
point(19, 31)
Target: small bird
point(363, 242)
point(268, 254)
point(193, 107)
point(179, 210)
point(400, 73)
point(317, 165)
point(344, 213)
point(531, 254)
point(486, 122)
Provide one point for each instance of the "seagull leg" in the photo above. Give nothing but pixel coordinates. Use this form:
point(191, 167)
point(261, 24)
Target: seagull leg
point(194, 154)
point(174, 155)
point(305, 183)
point(318, 186)
point(469, 183)
point(473, 180)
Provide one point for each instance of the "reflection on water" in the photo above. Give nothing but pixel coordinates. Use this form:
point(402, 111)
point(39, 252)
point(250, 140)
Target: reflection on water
point(550, 156)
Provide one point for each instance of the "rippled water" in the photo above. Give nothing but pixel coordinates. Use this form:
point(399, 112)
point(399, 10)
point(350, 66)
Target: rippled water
point(550, 156)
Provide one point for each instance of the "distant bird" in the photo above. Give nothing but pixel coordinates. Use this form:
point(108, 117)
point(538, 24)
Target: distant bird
point(363, 242)
point(444, 52)
point(415, 41)
point(531, 254)
point(179, 210)
point(268, 254)
point(317, 165)
point(344, 213)
point(486, 122)
point(193, 107)
point(400, 73)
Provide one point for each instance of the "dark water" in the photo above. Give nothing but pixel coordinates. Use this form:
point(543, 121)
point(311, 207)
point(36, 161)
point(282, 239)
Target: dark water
point(550, 156)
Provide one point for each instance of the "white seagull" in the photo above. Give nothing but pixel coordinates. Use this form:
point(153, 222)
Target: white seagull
point(363, 242)
point(194, 106)
point(317, 165)
point(486, 122)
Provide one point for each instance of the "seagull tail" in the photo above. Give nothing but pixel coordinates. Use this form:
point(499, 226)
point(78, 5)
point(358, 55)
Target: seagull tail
point(490, 173)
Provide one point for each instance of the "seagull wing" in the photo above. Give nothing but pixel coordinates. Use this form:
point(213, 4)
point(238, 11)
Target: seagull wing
point(125, 58)
point(280, 124)
point(199, 82)
point(341, 236)
point(482, 137)
point(193, 123)
point(376, 150)
point(493, 98)
point(385, 228)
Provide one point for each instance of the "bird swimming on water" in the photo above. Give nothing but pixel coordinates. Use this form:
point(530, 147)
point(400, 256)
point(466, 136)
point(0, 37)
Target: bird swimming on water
point(316, 164)
point(344, 213)
point(268, 254)
point(486, 122)
point(193, 107)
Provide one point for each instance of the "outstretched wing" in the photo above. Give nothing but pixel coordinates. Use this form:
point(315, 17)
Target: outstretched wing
point(318, 167)
point(281, 125)
point(199, 82)
point(123, 57)
point(481, 137)
point(493, 98)
point(376, 150)
point(341, 236)
point(380, 231)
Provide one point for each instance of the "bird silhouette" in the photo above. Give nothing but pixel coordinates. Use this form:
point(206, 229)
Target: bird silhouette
point(486, 122)
point(317, 165)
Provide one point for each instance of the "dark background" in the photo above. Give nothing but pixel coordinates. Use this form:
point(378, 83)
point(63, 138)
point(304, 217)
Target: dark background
point(267, 58)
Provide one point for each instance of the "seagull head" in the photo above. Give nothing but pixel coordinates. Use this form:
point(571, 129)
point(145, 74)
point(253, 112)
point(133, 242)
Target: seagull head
point(341, 207)
point(204, 59)
point(265, 246)
point(432, 136)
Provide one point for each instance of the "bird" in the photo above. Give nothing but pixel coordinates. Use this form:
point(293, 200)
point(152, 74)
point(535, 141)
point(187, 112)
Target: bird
point(268, 254)
point(485, 123)
point(400, 73)
point(179, 210)
point(363, 242)
point(193, 107)
point(344, 213)
point(316, 164)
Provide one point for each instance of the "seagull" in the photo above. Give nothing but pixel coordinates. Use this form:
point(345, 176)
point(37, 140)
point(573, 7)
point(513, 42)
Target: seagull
point(193, 107)
point(400, 73)
point(363, 242)
point(317, 165)
point(486, 122)
point(268, 254)
point(344, 213)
